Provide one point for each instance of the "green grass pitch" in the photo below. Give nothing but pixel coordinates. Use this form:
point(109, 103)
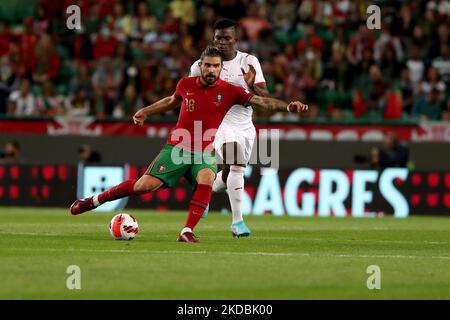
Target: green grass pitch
point(285, 257)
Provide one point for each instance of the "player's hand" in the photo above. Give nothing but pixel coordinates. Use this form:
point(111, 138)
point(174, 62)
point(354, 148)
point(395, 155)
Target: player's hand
point(139, 117)
point(249, 76)
point(297, 107)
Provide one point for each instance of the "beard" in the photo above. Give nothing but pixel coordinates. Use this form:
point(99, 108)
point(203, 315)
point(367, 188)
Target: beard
point(209, 78)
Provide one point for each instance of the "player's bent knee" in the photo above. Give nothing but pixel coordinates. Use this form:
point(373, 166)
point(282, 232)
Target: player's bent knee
point(206, 176)
point(147, 183)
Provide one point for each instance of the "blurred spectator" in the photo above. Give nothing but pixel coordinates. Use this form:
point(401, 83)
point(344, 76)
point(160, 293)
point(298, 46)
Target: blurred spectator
point(360, 42)
point(4, 39)
point(105, 45)
point(109, 76)
point(255, 21)
point(143, 22)
point(43, 22)
point(129, 104)
point(334, 112)
point(6, 77)
point(311, 43)
point(439, 39)
point(403, 24)
point(183, 10)
point(390, 63)
point(10, 153)
point(93, 21)
point(266, 48)
point(407, 90)
point(119, 22)
point(81, 80)
point(300, 83)
point(27, 42)
point(386, 41)
point(313, 111)
point(377, 90)
point(442, 63)
point(22, 102)
point(340, 42)
point(171, 24)
point(429, 106)
point(336, 70)
point(78, 105)
point(284, 13)
point(432, 82)
point(99, 102)
point(416, 65)
point(50, 104)
point(158, 40)
point(392, 154)
point(88, 155)
point(45, 62)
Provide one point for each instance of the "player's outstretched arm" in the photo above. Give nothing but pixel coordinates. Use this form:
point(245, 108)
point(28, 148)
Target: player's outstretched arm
point(271, 104)
point(161, 106)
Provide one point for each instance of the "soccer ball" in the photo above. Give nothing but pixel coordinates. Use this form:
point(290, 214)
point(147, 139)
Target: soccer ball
point(123, 226)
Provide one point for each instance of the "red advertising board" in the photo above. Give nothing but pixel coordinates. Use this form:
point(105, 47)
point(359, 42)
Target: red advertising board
point(437, 132)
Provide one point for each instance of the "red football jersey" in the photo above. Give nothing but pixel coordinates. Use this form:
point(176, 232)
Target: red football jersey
point(202, 111)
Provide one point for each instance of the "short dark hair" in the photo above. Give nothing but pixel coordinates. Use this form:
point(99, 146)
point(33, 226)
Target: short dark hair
point(225, 23)
point(211, 51)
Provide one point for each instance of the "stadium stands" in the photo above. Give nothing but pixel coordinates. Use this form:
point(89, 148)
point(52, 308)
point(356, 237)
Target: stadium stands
point(319, 51)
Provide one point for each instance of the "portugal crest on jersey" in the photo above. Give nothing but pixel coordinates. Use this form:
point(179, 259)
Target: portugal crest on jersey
point(219, 98)
point(161, 168)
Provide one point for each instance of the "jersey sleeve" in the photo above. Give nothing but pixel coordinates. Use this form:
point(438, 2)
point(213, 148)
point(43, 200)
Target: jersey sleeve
point(178, 90)
point(241, 95)
point(259, 78)
point(195, 69)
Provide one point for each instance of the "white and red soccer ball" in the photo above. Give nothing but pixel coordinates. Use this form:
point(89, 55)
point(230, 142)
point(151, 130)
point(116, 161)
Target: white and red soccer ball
point(123, 226)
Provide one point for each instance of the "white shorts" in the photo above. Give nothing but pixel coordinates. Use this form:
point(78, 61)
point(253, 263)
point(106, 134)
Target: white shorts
point(229, 133)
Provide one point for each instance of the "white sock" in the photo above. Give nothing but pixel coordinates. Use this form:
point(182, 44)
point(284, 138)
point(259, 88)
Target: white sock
point(235, 184)
point(95, 200)
point(219, 185)
point(186, 229)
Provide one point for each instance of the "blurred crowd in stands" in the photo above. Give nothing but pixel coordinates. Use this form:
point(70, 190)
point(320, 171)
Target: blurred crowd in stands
point(131, 53)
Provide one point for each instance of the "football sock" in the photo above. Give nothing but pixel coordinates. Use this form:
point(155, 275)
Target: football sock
point(235, 184)
point(121, 190)
point(198, 204)
point(219, 185)
point(186, 230)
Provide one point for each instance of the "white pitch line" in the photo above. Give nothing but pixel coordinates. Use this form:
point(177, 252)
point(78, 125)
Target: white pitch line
point(55, 234)
point(226, 253)
point(254, 237)
point(33, 234)
point(349, 240)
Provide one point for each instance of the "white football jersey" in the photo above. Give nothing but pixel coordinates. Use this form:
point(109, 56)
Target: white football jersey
point(232, 73)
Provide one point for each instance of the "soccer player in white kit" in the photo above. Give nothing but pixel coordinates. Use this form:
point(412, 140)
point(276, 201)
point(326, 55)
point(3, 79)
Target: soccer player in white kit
point(236, 135)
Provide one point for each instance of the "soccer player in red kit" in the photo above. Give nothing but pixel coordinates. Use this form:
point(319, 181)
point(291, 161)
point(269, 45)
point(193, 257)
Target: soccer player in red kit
point(189, 152)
